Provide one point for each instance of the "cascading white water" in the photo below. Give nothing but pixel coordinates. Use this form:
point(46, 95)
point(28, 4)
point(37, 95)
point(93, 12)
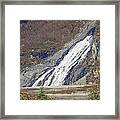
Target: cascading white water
point(76, 54)
point(41, 78)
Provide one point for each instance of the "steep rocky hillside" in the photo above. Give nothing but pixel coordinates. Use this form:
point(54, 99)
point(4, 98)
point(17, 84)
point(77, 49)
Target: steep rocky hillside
point(59, 52)
point(45, 37)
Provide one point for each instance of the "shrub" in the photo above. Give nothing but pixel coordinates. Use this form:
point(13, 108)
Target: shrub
point(41, 95)
point(94, 93)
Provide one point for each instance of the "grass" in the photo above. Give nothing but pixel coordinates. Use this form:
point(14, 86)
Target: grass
point(41, 94)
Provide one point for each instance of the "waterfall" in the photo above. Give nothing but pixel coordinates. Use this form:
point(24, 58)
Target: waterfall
point(56, 76)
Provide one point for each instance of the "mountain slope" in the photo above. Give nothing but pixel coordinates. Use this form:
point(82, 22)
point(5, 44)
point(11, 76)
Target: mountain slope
point(68, 65)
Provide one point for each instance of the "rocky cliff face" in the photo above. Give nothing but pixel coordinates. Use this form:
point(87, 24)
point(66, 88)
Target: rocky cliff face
point(77, 62)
